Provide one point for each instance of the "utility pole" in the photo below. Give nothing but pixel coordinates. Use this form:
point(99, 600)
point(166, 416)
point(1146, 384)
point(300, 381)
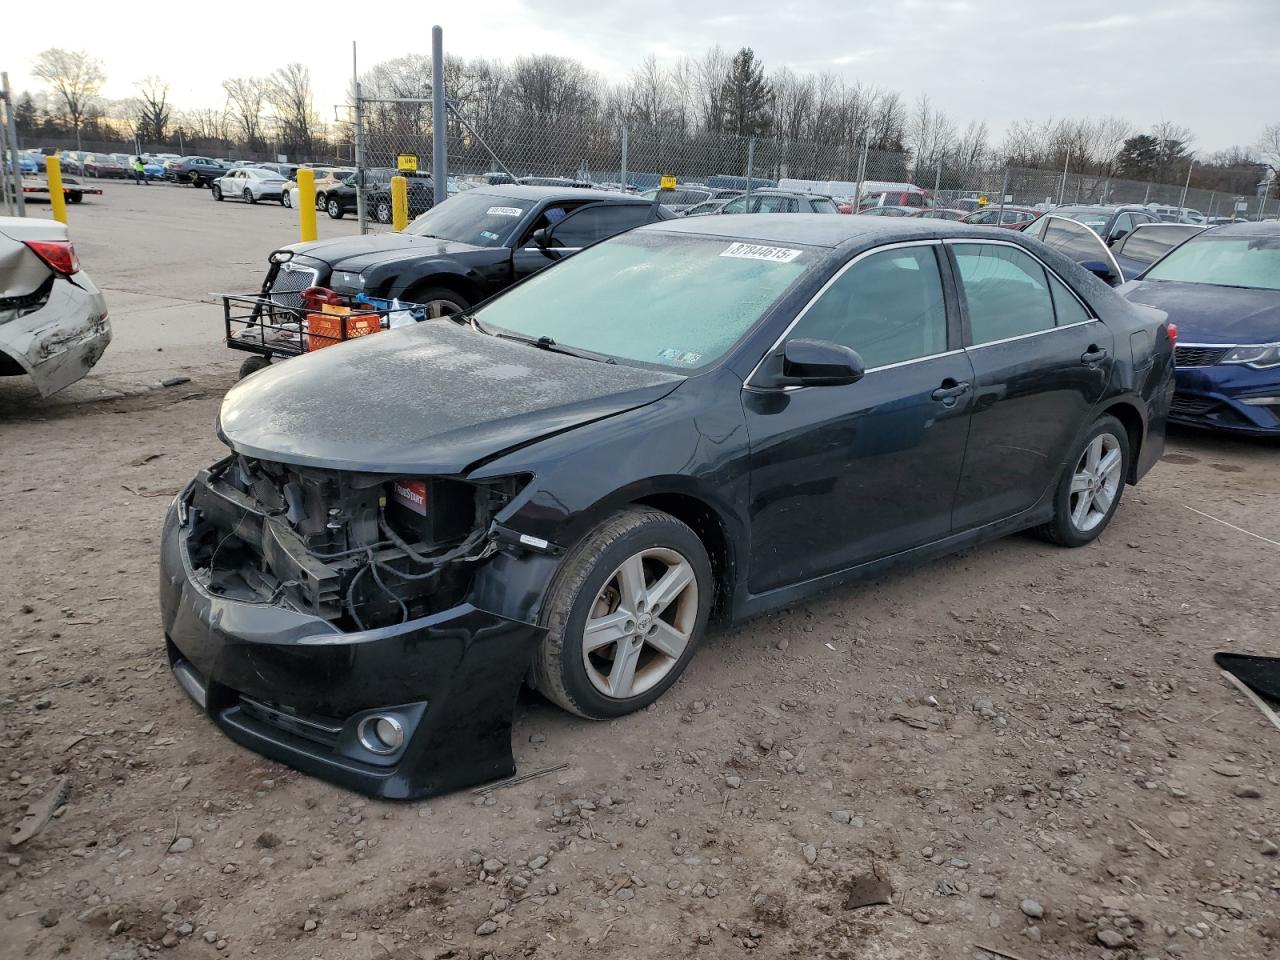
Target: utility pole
point(11, 163)
point(1065, 166)
point(1182, 204)
point(624, 157)
point(439, 137)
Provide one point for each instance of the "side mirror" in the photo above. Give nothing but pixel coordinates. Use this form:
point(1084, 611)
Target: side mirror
point(1101, 269)
point(820, 363)
point(541, 238)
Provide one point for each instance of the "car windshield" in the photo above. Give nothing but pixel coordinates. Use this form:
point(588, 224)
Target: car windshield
point(476, 217)
point(654, 298)
point(1096, 219)
point(1224, 260)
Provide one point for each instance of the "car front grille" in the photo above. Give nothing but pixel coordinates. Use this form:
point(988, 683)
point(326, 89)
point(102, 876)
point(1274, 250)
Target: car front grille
point(289, 283)
point(1198, 356)
point(1191, 406)
point(321, 730)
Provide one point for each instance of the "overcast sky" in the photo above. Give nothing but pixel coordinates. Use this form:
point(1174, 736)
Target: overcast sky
point(1211, 65)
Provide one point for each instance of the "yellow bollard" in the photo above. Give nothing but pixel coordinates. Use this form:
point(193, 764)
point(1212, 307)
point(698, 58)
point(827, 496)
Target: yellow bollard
point(399, 203)
point(58, 199)
point(306, 204)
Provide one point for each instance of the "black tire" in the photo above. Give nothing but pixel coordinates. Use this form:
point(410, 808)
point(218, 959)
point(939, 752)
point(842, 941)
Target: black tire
point(334, 208)
point(216, 191)
point(322, 202)
point(1063, 528)
point(253, 365)
point(382, 211)
point(559, 669)
point(195, 180)
point(441, 295)
point(75, 197)
point(285, 199)
point(248, 196)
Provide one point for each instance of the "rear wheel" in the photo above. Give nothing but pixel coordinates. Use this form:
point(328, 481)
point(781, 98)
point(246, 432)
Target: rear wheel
point(382, 211)
point(1091, 486)
point(248, 196)
point(334, 208)
point(321, 202)
point(286, 199)
point(624, 615)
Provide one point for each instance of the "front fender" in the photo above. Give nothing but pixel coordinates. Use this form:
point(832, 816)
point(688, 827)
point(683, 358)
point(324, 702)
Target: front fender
point(687, 448)
point(394, 279)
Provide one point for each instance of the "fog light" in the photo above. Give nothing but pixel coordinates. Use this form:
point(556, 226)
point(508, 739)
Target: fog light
point(381, 734)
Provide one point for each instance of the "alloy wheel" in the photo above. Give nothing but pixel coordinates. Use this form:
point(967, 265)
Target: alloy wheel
point(435, 309)
point(640, 623)
point(1096, 482)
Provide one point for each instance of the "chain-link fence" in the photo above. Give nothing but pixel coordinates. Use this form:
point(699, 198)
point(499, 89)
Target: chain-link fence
point(637, 156)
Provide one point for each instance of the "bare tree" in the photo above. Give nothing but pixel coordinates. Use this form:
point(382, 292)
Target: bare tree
point(246, 99)
point(1269, 147)
point(75, 76)
point(289, 93)
point(152, 110)
point(713, 71)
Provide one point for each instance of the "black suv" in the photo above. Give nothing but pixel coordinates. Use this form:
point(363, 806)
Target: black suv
point(462, 251)
point(341, 199)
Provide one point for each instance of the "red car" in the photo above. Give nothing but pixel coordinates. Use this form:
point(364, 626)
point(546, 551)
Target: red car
point(993, 215)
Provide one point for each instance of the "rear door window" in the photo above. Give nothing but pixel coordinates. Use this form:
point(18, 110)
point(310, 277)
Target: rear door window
point(1006, 290)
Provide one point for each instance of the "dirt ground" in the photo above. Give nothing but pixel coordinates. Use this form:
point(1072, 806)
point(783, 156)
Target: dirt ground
point(1021, 748)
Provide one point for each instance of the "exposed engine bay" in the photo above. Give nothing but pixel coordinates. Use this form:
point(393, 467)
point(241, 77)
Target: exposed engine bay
point(360, 550)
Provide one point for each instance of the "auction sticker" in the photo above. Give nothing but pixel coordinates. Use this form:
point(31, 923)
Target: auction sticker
point(753, 251)
point(504, 211)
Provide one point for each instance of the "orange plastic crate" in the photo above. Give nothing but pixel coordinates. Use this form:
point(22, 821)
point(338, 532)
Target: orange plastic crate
point(337, 324)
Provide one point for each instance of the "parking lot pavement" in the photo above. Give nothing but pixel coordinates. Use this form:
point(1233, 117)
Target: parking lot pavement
point(160, 253)
point(1031, 746)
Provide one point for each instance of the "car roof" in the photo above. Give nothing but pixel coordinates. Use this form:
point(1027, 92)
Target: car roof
point(519, 191)
point(1248, 228)
point(822, 230)
point(783, 192)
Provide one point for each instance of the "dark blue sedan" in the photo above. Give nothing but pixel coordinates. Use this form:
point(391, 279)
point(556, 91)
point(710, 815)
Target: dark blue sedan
point(1222, 290)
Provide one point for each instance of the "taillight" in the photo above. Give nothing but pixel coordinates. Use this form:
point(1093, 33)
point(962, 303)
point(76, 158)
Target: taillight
point(58, 255)
point(1171, 330)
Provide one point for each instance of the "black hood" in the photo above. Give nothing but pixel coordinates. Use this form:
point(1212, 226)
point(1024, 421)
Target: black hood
point(432, 399)
point(1206, 313)
point(356, 254)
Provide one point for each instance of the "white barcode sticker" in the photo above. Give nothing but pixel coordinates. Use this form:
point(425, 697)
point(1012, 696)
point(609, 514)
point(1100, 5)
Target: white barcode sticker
point(504, 211)
point(753, 251)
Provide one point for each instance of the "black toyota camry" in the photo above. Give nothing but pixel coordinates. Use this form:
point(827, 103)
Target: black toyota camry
point(698, 418)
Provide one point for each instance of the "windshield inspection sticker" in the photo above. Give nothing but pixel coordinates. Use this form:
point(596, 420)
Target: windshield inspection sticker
point(685, 358)
point(488, 234)
point(752, 251)
point(504, 211)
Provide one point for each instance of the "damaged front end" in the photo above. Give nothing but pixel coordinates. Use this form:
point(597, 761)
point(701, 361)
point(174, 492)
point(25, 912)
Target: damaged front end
point(323, 618)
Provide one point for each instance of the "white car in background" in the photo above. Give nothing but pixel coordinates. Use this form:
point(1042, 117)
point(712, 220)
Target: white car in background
point(326, 177)
point(251, 184)
point(53, 320)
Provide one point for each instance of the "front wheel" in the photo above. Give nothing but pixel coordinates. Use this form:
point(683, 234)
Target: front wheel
point(382, 211)
point(216, 191)
point(1090, 489)
point(624, 614)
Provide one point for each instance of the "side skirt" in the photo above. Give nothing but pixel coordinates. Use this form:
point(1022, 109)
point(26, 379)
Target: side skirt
point(752, 605)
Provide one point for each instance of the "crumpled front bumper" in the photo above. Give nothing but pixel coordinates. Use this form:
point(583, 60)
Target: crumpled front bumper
point(292, 687)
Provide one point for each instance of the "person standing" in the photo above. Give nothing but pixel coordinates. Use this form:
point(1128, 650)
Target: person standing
point(139, 171)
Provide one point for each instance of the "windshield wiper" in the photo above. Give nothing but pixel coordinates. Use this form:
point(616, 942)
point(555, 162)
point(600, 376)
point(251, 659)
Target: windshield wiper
point(546, 343)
